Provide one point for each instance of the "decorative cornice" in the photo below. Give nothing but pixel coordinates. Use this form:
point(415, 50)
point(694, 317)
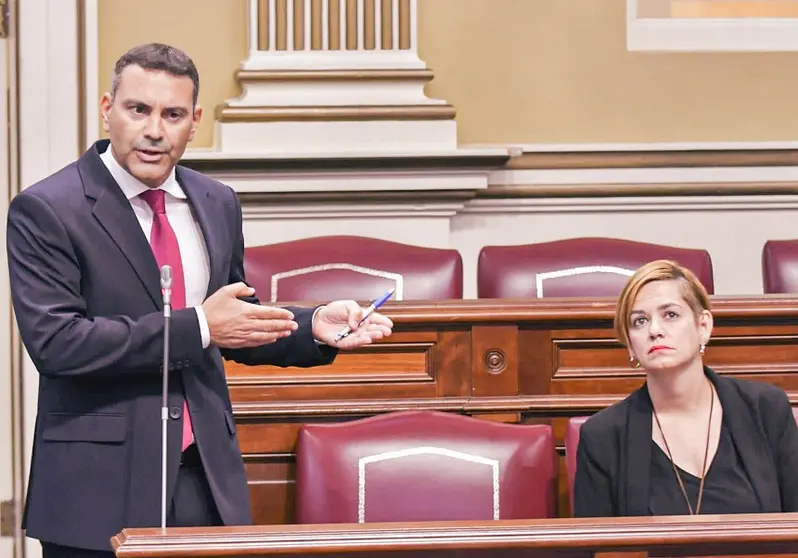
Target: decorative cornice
point(531, 160)
point(353, 210)
point(246, 114)
point(548, 173)
point(513, 191)
point(523, 199)
point(467, 160)
point(254, 76)
point(356, 197)
point(630, 203)
point(650, 159)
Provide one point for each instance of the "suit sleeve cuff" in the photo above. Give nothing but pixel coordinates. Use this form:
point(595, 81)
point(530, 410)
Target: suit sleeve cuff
point(312, 321)
point(205, 332)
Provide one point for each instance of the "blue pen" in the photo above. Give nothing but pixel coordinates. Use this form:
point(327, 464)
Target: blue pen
point(369, 311)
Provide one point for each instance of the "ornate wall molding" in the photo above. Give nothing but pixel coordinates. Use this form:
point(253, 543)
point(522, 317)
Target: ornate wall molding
point(496, 172)
point(332, 76)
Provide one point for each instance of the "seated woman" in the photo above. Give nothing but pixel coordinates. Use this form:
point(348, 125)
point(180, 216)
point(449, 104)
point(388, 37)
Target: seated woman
point(688, 441)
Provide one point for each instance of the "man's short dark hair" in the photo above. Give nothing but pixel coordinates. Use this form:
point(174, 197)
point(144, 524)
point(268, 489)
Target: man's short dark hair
point(157, 56)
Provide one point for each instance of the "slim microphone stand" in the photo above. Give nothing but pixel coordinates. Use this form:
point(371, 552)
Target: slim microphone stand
point(166, 288)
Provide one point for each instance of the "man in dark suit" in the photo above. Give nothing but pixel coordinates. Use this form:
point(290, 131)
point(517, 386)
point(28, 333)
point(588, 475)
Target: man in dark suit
point(85, 247)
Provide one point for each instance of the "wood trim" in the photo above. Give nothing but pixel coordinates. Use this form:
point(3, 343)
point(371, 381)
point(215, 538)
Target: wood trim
point(469, 311)
point(668, 536)
point(356, 197)
point(654, 159)
point(247, 412)
point(226, 113)
point(382, 163)
point(763, 308)
point(510, 191)
point(543, 405)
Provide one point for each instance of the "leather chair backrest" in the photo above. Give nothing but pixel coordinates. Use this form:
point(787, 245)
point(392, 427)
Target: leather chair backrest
point(571, 445)
point(576, 267)
point(352, 267)
point(424, 466)
point(780, 266)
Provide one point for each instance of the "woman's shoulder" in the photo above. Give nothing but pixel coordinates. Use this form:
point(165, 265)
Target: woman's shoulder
point(757, 393)
point(767, 405)
point(611, 418)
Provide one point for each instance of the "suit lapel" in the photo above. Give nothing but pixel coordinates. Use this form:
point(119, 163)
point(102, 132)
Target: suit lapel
point(115, 215)
point(748, 442)
point(636, 458)
point(209, 216)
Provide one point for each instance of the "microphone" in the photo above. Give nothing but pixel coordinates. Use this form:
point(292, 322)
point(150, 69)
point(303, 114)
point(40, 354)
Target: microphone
point(166, 292)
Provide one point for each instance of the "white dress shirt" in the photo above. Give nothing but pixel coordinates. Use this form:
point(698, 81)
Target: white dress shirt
point(193, 251)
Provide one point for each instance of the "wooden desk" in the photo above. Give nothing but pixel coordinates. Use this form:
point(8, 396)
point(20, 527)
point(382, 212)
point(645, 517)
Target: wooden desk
point(742, 535)
point(514, 361)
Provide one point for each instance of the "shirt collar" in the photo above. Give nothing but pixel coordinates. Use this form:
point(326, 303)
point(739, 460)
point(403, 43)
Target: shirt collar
point(131, 186)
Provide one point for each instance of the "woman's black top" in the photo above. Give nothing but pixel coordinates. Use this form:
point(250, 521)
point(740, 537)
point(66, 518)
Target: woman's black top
point(726, 486)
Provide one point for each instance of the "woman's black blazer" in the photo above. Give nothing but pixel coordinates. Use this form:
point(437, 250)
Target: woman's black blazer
point(614, 452)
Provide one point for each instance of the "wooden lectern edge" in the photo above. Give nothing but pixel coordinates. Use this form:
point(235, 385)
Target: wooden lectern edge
point(564, 308)
point(733, 532)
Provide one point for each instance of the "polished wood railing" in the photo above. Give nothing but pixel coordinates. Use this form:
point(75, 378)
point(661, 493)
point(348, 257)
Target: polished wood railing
point(525, 361)
point(741, 535)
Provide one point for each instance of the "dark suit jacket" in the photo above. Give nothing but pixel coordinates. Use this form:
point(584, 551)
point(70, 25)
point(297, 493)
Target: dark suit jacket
point(86, 292)
point(614, 453)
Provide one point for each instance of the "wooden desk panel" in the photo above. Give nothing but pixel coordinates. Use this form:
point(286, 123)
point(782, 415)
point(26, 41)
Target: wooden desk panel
point(741, 535)
point(426, 363)
point(540, 361)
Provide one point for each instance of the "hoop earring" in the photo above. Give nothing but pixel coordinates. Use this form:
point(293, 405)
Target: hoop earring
point(634, 362)
point(703, 348)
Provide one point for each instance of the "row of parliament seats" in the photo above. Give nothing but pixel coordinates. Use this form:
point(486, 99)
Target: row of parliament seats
point(360, 268)
point(429, 466)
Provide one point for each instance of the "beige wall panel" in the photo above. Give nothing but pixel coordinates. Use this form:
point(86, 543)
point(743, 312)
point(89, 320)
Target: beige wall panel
point(213, 32)
point(654, 8)
point(557, 71)
point(517, 71)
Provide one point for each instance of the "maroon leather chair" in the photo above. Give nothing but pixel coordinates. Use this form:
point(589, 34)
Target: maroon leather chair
point(780, 266)
point(352, 267)
point(424, 466)
point(576, 267)
point(571, 444)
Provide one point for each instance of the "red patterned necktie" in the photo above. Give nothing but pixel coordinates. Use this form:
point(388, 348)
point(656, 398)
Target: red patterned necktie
point(167, 252)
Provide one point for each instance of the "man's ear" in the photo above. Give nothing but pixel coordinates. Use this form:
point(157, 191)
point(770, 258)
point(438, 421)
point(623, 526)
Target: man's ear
point(195, 120)
point(106, 102)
